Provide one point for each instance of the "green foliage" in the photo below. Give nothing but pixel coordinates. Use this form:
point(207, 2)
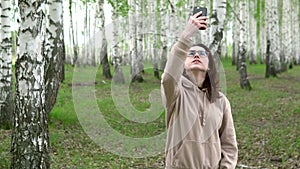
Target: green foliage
point(257, 11)
point(229, 12)
point(180, 3)
point(121, 7)
point(88, 1)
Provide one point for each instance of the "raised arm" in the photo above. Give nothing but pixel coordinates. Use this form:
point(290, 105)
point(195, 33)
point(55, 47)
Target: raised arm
point(175, 64)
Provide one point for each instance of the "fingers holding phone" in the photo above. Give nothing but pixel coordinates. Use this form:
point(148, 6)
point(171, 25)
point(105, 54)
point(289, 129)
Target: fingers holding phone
point(200, 11)
point(199, 17)
point(198, 21)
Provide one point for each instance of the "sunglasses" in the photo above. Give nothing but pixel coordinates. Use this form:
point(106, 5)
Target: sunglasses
point(201, 53)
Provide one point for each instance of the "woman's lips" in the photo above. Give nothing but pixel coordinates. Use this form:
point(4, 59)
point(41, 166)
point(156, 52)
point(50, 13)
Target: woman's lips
point(196, 61)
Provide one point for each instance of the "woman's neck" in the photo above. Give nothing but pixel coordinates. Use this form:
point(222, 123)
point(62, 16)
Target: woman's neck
point(199, 77)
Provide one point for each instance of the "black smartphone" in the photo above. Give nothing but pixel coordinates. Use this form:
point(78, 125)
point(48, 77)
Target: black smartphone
point(198, 9)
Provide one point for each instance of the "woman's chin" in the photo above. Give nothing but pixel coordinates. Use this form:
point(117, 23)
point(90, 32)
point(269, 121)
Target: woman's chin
point(197, 67)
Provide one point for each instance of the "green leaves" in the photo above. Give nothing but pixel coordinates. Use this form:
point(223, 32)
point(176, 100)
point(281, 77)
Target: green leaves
point(88, 1)
point(121, 7)
point(180, 3)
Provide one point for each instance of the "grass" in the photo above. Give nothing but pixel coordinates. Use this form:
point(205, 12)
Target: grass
point(266, 119)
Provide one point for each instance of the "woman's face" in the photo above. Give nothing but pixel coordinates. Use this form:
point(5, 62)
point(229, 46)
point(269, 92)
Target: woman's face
point(197, 59)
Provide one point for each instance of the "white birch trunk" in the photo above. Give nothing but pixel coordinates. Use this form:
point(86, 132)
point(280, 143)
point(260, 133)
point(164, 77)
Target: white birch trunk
point(286, 34)
point(204, 34)
point(91, 44)
point(262, 34)
point(217, 26)
point(132, 35)
point(84, 53)
point(92, 30)
point(173, 22)
point(74, 33)
point(297, 20)
point(153, 30)
point(133, 38)
point(235, 33)
point(124, 32)
point(164, 37)
point(103, 51)
point(225, 45)
point(117, 60)
point(246, 27)
point(252, 34)
point(273, 65)
point(242, 66)
point(296, 29)
point(139, 43)
point(54, 46)
point(6, 96)
point(276, 36)
point(30, 139)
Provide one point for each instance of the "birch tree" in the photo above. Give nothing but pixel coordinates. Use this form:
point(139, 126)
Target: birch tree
point(103, 53)
point(73, 41)
point(6, 97)
point(246, 27)
point(295, 31)
point(204, 34)
point(132, 39)
point(286, 34)
point(252, 33)
point(153, 30)
point(235, 32)
point(273, 51)
point(136, 41)
point(91, 42)
point(30, 137)
point(54, 46)
point(84, 52)
point(173, 23)
point(262, 33)
point(297, 19)
point(217, 26)
point(164, 40)
point(242, 67)
point(117, 60)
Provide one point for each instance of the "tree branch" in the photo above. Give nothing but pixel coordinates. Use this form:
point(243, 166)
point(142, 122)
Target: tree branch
point(227, 3)
point(172, 6)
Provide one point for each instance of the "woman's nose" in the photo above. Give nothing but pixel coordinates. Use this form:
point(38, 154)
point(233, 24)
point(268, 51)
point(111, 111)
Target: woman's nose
point(197, 55)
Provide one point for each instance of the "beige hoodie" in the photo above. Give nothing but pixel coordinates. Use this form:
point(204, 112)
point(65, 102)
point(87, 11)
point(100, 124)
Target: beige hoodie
point(200, 134)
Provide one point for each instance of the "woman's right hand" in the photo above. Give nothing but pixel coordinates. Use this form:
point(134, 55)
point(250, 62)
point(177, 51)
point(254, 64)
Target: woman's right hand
point(195, 23)
point(199, 21)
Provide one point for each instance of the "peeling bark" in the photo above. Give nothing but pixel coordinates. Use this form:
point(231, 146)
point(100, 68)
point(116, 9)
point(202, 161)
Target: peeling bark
point(103, 54)
point(116, 58)
point(30, 139)
point(54, 50)
point(6, 94)
point(242, 66)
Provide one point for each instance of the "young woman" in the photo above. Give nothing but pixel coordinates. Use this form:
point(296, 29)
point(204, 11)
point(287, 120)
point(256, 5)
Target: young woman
point(200, 130)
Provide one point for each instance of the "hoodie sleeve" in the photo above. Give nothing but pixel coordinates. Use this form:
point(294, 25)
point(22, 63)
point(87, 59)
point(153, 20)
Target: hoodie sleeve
point(173, 70)
point(172, 73)
point(228, 139)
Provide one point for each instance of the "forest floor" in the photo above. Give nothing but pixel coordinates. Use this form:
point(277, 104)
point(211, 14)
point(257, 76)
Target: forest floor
point(267, 121)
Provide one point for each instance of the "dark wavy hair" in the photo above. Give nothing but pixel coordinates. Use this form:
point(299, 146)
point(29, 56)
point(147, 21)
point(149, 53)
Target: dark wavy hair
point(211, 81)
